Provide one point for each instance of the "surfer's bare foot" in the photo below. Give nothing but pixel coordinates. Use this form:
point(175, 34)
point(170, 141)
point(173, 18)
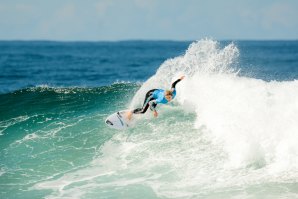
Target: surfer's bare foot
point(129, 115)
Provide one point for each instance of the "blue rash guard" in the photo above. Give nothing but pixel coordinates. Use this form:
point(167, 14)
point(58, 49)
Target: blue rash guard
point(159, 96)
point(154, 97)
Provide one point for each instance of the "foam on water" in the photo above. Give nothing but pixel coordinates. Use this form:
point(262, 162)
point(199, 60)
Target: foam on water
point(254, 119)
point(224, 136)
point(7, 123)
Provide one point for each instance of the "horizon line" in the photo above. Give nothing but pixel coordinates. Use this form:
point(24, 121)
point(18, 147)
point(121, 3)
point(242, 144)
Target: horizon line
point(136, 40)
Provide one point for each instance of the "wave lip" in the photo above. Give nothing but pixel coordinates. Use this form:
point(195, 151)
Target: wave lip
point(202, 57)
point(224, 135)
point(252, 119)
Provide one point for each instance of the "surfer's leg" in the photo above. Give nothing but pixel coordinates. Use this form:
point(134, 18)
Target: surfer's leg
point(129, 115)
point(137, 111)
point(148, 97)
point(141, 110)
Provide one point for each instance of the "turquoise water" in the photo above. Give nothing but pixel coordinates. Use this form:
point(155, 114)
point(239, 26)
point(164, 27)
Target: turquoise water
point(46, 132)
point(231, 132)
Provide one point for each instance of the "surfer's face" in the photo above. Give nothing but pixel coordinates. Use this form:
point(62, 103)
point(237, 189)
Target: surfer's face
point(168, 97)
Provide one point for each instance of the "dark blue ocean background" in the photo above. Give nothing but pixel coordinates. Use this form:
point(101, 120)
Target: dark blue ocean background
point(92, 64)
point(55, 96)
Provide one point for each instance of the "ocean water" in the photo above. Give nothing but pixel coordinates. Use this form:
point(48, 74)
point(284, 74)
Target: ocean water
point(231, 132)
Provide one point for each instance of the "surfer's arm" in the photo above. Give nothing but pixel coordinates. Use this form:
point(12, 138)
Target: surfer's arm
point(155, 113)
point(175, 82)
point(152, 105)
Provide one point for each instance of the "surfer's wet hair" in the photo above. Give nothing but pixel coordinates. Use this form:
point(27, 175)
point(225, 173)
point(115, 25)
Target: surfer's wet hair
point(169, 92)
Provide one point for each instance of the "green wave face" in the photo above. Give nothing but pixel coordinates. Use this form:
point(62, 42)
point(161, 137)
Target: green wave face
point(45, 132)
point(224, 136)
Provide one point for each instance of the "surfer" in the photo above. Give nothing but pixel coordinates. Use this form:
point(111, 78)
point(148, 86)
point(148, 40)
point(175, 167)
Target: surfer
point(154, 97)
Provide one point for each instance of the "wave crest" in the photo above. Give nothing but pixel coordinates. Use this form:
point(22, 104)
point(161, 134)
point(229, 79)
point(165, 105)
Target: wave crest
point(251, 118)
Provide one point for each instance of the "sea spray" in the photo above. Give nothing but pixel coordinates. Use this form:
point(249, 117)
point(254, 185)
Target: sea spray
point(202, 57)
point(224, 136)
point(253, 119)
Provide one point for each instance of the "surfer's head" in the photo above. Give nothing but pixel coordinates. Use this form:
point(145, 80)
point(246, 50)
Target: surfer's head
point(168, 95)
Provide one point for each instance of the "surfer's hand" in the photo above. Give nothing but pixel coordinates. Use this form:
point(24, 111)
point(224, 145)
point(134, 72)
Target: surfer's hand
point(182, 77)
point(155, 113)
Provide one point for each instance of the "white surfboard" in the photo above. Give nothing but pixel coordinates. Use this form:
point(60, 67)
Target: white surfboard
point(118, 120)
